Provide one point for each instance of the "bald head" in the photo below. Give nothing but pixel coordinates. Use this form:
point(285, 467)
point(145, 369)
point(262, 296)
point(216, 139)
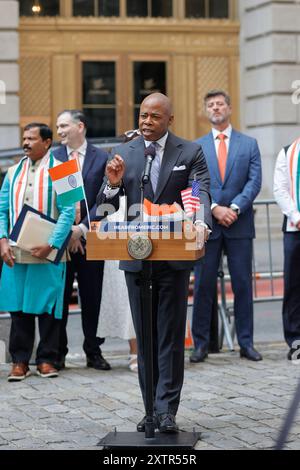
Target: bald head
point(155, 116)
point(160, 99)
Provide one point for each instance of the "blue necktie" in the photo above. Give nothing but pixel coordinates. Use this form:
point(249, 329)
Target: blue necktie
point(155, 168)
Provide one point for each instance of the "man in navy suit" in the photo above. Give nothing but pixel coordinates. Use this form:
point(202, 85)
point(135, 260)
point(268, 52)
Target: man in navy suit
point(234, 165)
point(71, 128)
point(178, 161)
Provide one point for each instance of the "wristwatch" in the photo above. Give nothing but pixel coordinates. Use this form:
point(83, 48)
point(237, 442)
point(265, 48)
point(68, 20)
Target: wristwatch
point(235, 209)
point(113, 186)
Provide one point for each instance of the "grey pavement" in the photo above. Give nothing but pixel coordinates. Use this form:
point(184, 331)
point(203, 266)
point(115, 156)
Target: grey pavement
point(233, 402)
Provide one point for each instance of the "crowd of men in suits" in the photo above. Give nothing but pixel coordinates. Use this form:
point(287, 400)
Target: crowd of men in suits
point(227, 165)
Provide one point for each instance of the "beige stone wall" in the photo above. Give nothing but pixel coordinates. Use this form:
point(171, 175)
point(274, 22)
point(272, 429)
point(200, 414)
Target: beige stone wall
point(270, 64)
point(9, 74)
point(199, 54)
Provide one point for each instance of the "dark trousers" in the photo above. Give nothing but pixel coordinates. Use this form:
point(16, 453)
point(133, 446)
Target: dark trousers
point(291, 299)
point(239, 258)
point(22, 335)
point(169, 302)
point(89, 276)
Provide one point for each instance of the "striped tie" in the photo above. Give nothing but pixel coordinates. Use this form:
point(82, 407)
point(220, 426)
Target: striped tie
point(155, 168)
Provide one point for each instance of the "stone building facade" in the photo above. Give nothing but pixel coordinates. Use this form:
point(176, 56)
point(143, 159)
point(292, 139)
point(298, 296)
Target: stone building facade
point(9, 74)
point(254, 54)
point(270, 76)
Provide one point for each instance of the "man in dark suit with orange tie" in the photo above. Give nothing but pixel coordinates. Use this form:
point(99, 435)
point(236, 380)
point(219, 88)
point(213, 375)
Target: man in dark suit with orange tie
point(234, 165)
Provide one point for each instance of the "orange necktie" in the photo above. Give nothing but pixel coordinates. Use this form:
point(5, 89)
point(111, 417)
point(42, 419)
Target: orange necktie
point(75, 156)
point(222, 155)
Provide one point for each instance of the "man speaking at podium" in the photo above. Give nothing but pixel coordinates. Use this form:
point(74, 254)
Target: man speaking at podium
point(175, 163)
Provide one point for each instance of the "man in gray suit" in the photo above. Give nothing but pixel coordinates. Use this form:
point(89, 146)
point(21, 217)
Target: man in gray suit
point(176, 162)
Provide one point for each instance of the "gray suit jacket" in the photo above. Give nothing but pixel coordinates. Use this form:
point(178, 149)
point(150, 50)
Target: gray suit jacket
point(178, 152)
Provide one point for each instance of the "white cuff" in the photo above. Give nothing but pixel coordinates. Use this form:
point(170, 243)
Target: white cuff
point(295, 217)
point(234, 207)
point(202, 224)
point(84, 229)
point(110, 193)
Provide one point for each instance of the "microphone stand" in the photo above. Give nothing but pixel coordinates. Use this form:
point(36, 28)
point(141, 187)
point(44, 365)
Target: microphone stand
point(146, 316)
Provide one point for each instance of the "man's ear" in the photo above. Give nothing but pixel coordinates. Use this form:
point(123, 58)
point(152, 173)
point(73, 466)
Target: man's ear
point(81, 126)
point(48, 142)
point(171, 119)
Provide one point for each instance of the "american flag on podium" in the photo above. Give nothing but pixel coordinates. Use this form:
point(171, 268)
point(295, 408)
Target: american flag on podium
point(191, 198)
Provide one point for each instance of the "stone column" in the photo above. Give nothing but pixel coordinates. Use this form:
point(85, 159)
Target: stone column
point(270, 70)
point(9, 74)
point(9, 109)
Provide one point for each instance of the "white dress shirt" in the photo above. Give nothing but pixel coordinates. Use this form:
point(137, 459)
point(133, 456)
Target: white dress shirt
point(160, 147)
point(81, 153)
point(282, 192)
point(216, 133)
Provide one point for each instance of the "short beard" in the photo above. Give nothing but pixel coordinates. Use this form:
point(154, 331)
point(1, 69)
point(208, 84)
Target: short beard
point(218, 120)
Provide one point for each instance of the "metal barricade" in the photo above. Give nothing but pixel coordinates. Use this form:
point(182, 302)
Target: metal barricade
point(225, 305)
point(271, 274)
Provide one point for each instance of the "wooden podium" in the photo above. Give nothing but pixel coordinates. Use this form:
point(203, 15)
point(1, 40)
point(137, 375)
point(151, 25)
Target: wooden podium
point(166, 246)
point(179, 245)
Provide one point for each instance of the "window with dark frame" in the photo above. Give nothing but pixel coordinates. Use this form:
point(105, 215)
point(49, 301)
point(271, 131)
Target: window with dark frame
point(83, 7)
point(134, 8)
point(206, 8)
point(195, 8)
point(109, 8)
point(96, 7)
point(137, 8)
point(148, 77)
point(152, 8)
point(39, 7)
point(162, 9)
point(99, 97)
point(218, 9)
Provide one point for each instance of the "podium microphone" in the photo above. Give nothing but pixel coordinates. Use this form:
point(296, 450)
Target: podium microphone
point(149, 154)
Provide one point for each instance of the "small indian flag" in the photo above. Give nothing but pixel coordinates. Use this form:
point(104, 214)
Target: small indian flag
point(67, 182)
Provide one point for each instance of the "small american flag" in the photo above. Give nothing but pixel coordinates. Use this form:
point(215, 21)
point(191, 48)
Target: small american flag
point(191, 198)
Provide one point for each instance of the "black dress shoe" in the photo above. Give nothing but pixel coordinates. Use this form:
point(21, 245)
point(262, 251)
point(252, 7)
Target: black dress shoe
point(198, 355)
point(97, 362)
point(251, 354)
point(60, 363)
point(140, 427)
point(293, 354)
point(166, 423)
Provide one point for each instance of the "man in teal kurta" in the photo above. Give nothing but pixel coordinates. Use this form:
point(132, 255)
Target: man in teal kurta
point(30, 285)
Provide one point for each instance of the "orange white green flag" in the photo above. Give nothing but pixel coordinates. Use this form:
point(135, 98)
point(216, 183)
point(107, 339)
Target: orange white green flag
point(67, 182)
